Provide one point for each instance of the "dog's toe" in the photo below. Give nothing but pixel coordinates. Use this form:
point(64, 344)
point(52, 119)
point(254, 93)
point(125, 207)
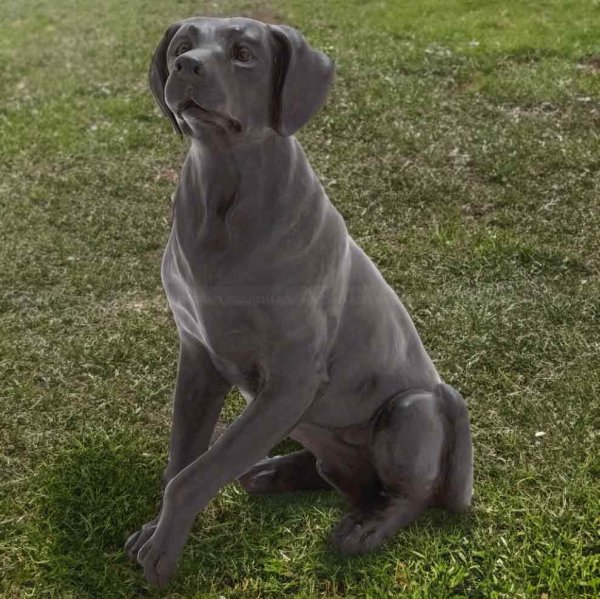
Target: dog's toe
point(152, 558)
point(260, 482)
point(135, 542)
point(130, 543)
point(159, 554)
point(357, 534)
point(261, 478)
point(343, 528)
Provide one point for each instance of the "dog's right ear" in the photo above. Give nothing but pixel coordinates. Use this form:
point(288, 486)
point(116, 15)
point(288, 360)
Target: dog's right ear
point(159, 72)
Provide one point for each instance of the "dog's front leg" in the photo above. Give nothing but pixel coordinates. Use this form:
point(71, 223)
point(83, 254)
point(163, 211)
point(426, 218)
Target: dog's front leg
point(264, 423)
point(199, 395)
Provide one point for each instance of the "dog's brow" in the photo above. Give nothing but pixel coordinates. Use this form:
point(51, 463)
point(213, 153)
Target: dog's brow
point(192, 31)
point(241, 34)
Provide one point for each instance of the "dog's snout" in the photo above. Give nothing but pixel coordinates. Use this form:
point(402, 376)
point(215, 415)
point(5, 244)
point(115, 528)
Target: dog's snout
point(188, 65)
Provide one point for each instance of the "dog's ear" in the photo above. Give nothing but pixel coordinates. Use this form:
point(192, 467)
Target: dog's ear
point(302, 77)
point(159, 72)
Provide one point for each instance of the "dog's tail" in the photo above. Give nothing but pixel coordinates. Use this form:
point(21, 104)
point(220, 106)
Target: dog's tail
point(456, 495)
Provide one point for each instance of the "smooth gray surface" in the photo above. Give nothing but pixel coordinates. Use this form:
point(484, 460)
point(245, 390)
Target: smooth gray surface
point(271, 294)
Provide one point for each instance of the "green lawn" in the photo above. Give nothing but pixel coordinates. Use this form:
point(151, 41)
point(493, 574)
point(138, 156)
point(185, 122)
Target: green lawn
point(462, 145)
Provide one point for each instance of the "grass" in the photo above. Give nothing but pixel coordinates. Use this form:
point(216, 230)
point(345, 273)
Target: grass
point(462, 145)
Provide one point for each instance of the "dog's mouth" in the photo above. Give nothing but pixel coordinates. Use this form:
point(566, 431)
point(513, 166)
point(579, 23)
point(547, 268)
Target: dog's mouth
point(212, 117)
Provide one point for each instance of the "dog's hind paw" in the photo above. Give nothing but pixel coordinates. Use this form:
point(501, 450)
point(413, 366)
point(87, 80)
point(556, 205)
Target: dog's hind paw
point(262, 478)
point(359, 533)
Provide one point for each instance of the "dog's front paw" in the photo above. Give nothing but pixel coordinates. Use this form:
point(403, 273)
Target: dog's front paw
point(158, 545)
point(158, 559)
point(135, 542)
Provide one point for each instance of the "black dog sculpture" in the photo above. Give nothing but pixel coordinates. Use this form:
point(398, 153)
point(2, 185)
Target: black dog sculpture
point(271, 294)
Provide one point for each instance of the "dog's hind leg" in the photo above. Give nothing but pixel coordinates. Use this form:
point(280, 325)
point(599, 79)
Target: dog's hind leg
point(457, 490)
point(343, 459)
point(285, 473)
point(421, 450)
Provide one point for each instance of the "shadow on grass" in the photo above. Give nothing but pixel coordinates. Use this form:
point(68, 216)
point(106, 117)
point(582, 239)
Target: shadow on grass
point(102, 488)
point(92, 494)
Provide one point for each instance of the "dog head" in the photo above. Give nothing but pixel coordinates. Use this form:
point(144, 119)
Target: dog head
point(238, 77)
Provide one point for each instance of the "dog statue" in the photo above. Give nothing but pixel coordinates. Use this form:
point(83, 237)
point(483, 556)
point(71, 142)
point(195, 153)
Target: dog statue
point(271, 295)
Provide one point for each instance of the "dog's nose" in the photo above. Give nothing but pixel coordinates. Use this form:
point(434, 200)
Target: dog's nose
point(188, 65)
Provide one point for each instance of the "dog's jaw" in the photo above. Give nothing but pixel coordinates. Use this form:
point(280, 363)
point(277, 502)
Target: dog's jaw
point(190, 109)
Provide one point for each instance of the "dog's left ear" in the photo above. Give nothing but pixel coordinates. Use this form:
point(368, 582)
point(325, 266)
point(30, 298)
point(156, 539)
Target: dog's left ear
point(302, 77)
point(159, 73)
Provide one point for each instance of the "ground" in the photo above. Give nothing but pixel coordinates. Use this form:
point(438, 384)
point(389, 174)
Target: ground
point(462, 145)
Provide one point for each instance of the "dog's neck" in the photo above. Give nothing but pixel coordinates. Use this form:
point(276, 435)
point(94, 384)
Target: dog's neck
point(245, 159)
point(243, 190)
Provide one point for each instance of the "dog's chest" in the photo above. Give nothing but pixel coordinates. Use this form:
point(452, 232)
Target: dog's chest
point(190, 290)
point(205, 309)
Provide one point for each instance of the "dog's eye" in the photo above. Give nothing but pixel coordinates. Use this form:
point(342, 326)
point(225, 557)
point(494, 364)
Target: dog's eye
point(242, 53)
point(182, 48)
